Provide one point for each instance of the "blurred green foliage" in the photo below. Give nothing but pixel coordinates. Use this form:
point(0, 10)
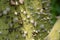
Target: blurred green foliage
point(55, 9)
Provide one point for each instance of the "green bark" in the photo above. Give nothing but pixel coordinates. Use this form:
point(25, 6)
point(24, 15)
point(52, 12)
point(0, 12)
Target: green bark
point(33, 15)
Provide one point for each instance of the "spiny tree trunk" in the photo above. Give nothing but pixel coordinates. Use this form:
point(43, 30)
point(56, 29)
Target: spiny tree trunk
point(33, 18)
point(55, 32)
